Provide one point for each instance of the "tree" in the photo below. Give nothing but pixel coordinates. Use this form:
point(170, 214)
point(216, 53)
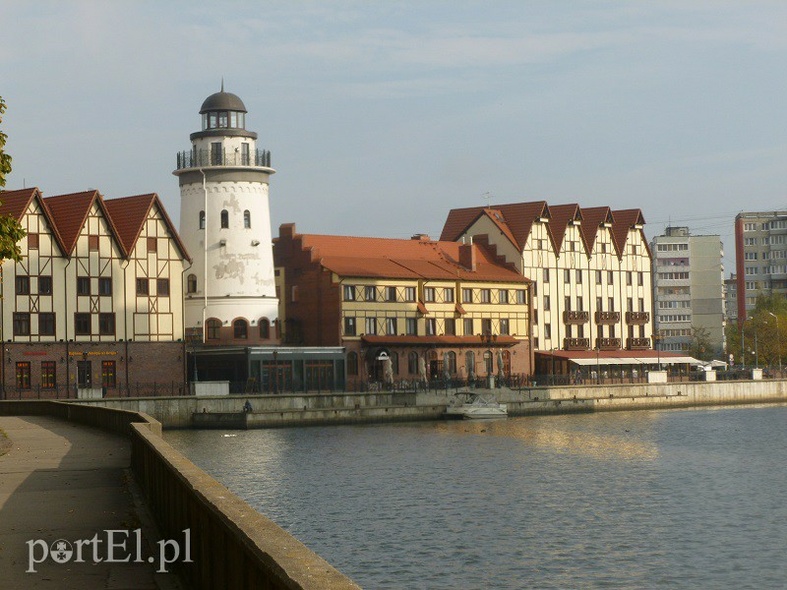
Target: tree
point(701, 347)
point(10, 230)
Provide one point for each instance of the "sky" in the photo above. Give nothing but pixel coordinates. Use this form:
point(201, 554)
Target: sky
point(383, 116)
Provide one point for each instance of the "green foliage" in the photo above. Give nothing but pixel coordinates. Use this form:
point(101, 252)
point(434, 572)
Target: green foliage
point(10, 230)
point(701, 347)
point(763, 334)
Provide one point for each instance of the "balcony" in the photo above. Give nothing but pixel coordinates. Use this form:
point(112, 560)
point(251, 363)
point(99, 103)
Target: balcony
point(608, 343)
point(607, 317)
point(575, 317)
point(637, 318)
point(207, 159)
point(638, 343)
point(576, 343)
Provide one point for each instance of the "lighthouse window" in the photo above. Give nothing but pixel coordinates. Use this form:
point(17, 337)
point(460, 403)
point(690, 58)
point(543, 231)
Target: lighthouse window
point(233, 119)
point(215, 154)
point(244, 154)
point(247, 219)
point(202, 220)
point(225, 219)
point(211, 120)
point(223, 119)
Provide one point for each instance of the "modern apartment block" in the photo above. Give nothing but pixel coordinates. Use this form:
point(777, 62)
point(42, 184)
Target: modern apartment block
point(688, 289)
point(590, 269)
point(760, 257)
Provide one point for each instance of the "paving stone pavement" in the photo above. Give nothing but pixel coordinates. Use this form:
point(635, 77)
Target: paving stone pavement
point(61, 481)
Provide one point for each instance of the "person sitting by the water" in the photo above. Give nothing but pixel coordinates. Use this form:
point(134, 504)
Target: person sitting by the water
point(247, 406)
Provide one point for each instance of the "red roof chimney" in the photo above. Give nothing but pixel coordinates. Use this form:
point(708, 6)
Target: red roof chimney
point(467, 255)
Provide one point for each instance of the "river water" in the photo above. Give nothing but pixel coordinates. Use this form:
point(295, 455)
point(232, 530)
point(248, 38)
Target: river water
point(646, 499)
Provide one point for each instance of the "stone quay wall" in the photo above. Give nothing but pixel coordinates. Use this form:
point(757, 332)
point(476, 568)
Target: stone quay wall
point(232, 545)
point(283, 410)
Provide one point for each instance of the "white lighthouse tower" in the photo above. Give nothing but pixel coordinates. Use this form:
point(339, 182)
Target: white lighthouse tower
point(225, 225)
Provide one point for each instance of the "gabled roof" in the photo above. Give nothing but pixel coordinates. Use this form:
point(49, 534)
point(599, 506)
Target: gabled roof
point(518, 219)
point(562, 215)
point(129, 215)
point(16, 203)
point(404, 259)
point(594, 217)
point(625, 220)
point(70, 213)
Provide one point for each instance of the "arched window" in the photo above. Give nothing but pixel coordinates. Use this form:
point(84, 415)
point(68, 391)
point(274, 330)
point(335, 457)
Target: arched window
point(265, 328)
point(246, 219)
point(191, 283)
point(212, 329)
point(449, 360)
point(412, 363)
point(202, 220)
point(225, 218)
point(240, 329)
point(352, 363)
point(470, 365)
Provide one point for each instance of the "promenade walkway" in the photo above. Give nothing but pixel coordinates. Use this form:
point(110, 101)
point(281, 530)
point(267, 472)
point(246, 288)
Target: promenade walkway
point(63, 481)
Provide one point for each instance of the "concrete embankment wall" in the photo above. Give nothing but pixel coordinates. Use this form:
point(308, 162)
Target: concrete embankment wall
point(232, 545)
point(341, 408)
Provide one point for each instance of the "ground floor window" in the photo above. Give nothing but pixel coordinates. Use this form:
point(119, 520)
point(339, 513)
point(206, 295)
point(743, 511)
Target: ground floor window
point(48, 374)
point(23, 375)
point(108, 374)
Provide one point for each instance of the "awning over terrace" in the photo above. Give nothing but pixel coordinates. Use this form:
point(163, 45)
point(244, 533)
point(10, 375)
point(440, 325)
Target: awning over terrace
point(584, 358)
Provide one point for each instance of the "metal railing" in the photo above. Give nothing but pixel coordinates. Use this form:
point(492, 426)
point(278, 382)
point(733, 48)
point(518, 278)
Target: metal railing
point(134, 389)
point(207, 158)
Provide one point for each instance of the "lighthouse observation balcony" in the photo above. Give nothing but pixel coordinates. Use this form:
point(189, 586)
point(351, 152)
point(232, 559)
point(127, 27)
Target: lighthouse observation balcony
point(206, 158)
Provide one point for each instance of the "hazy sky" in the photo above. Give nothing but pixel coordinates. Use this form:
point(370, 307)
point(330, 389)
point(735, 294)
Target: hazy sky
point(382, 116)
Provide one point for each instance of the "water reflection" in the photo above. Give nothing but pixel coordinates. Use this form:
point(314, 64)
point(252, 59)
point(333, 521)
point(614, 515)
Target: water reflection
point(649, 499)
point(548, 433)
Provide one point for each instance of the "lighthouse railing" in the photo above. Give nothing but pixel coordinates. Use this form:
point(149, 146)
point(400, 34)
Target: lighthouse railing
point(205, 158)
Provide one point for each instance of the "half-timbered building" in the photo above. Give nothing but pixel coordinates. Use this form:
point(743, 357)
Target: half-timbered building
point(95, 306)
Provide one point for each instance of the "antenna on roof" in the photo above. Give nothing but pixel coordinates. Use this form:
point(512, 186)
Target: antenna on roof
point(487, 196)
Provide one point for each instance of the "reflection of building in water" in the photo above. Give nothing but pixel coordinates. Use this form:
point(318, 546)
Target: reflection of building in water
point(544, 433)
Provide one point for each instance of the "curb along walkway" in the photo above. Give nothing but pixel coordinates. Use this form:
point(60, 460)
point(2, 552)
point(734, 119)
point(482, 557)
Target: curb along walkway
point(64, 481)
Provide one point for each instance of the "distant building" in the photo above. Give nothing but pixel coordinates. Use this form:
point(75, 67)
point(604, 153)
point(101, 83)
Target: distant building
point(731, 298)
point(760, 257)
point(96, 303)
point(688, 289)
point(421, 307)
point(590, 269)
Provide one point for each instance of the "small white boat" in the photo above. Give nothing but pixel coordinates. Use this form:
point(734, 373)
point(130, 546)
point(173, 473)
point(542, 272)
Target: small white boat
point(474, 405)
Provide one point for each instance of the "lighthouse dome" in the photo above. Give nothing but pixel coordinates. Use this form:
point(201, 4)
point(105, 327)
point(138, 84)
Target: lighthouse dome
point(223, 101)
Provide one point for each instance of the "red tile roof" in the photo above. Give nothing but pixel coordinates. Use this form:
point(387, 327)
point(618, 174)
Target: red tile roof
point(67, 214)
point(516, 221)
point(406, 259)
point(593, 217)
point(518, 218)
point(561, 216)
point(16, 203)
point(129, 215)
point(625, 220)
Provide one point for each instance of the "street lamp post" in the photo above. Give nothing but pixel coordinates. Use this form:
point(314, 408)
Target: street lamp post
point(778, 341)
point(553, 365)
point(598, 372)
